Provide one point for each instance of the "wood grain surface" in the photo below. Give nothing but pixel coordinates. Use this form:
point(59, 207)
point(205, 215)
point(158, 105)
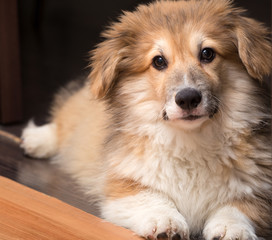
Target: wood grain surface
point(29, 214)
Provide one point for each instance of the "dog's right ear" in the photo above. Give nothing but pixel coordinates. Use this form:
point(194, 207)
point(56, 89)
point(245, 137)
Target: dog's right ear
point(104, 62)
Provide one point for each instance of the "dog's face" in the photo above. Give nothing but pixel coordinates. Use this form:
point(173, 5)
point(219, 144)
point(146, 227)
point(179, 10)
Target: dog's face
point(186, 70)
point(173, 61)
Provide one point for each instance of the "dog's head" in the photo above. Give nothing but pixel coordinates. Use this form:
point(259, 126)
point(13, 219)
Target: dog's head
point(173, 60)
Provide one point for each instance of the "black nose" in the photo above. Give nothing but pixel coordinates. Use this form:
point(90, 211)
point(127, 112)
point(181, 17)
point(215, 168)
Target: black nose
point(188, 98)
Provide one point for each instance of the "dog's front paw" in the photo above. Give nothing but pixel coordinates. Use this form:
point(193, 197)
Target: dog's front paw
point(229, 224)
point(149, 215)
point(228, 231)
point(163, 226)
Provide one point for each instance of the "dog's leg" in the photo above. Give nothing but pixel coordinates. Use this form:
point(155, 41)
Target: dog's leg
point(229, 223)
point(39, 142)
point(148, 214)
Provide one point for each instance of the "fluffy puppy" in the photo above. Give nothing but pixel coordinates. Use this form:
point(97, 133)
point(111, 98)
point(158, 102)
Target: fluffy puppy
point(172, 131)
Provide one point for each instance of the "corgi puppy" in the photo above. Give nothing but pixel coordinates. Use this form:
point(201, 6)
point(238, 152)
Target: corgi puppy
point(171, 130)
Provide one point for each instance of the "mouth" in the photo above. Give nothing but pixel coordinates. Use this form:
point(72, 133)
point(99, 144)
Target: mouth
point(192, 117)
point(189, 118)
point(187, 121)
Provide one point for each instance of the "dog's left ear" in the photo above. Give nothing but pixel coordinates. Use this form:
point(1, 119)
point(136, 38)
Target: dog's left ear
point(254, 47)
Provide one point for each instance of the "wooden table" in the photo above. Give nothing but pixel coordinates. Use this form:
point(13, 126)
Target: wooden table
point(28, 214)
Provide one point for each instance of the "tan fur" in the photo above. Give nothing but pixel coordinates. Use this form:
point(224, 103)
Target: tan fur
point(67, 118)
point(120, 188)
point(259, 211)
point(251, 34)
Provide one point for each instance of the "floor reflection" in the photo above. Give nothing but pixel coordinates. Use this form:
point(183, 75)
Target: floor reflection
point(42, 176)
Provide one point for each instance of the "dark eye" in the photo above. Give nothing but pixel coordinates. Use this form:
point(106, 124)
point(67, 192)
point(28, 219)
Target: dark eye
point(159, 62)
point(207, 55)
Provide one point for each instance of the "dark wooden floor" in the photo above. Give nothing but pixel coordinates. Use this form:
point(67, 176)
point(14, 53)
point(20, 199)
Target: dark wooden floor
point(38, 174)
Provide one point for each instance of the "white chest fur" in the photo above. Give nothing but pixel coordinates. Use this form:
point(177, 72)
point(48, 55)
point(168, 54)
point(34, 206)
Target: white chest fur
point(193, 171)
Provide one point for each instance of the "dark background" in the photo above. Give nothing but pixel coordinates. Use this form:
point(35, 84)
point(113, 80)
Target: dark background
point(56, 36)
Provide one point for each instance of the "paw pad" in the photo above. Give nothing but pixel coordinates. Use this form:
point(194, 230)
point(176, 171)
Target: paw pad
point(164, 236)
point(216, 238)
